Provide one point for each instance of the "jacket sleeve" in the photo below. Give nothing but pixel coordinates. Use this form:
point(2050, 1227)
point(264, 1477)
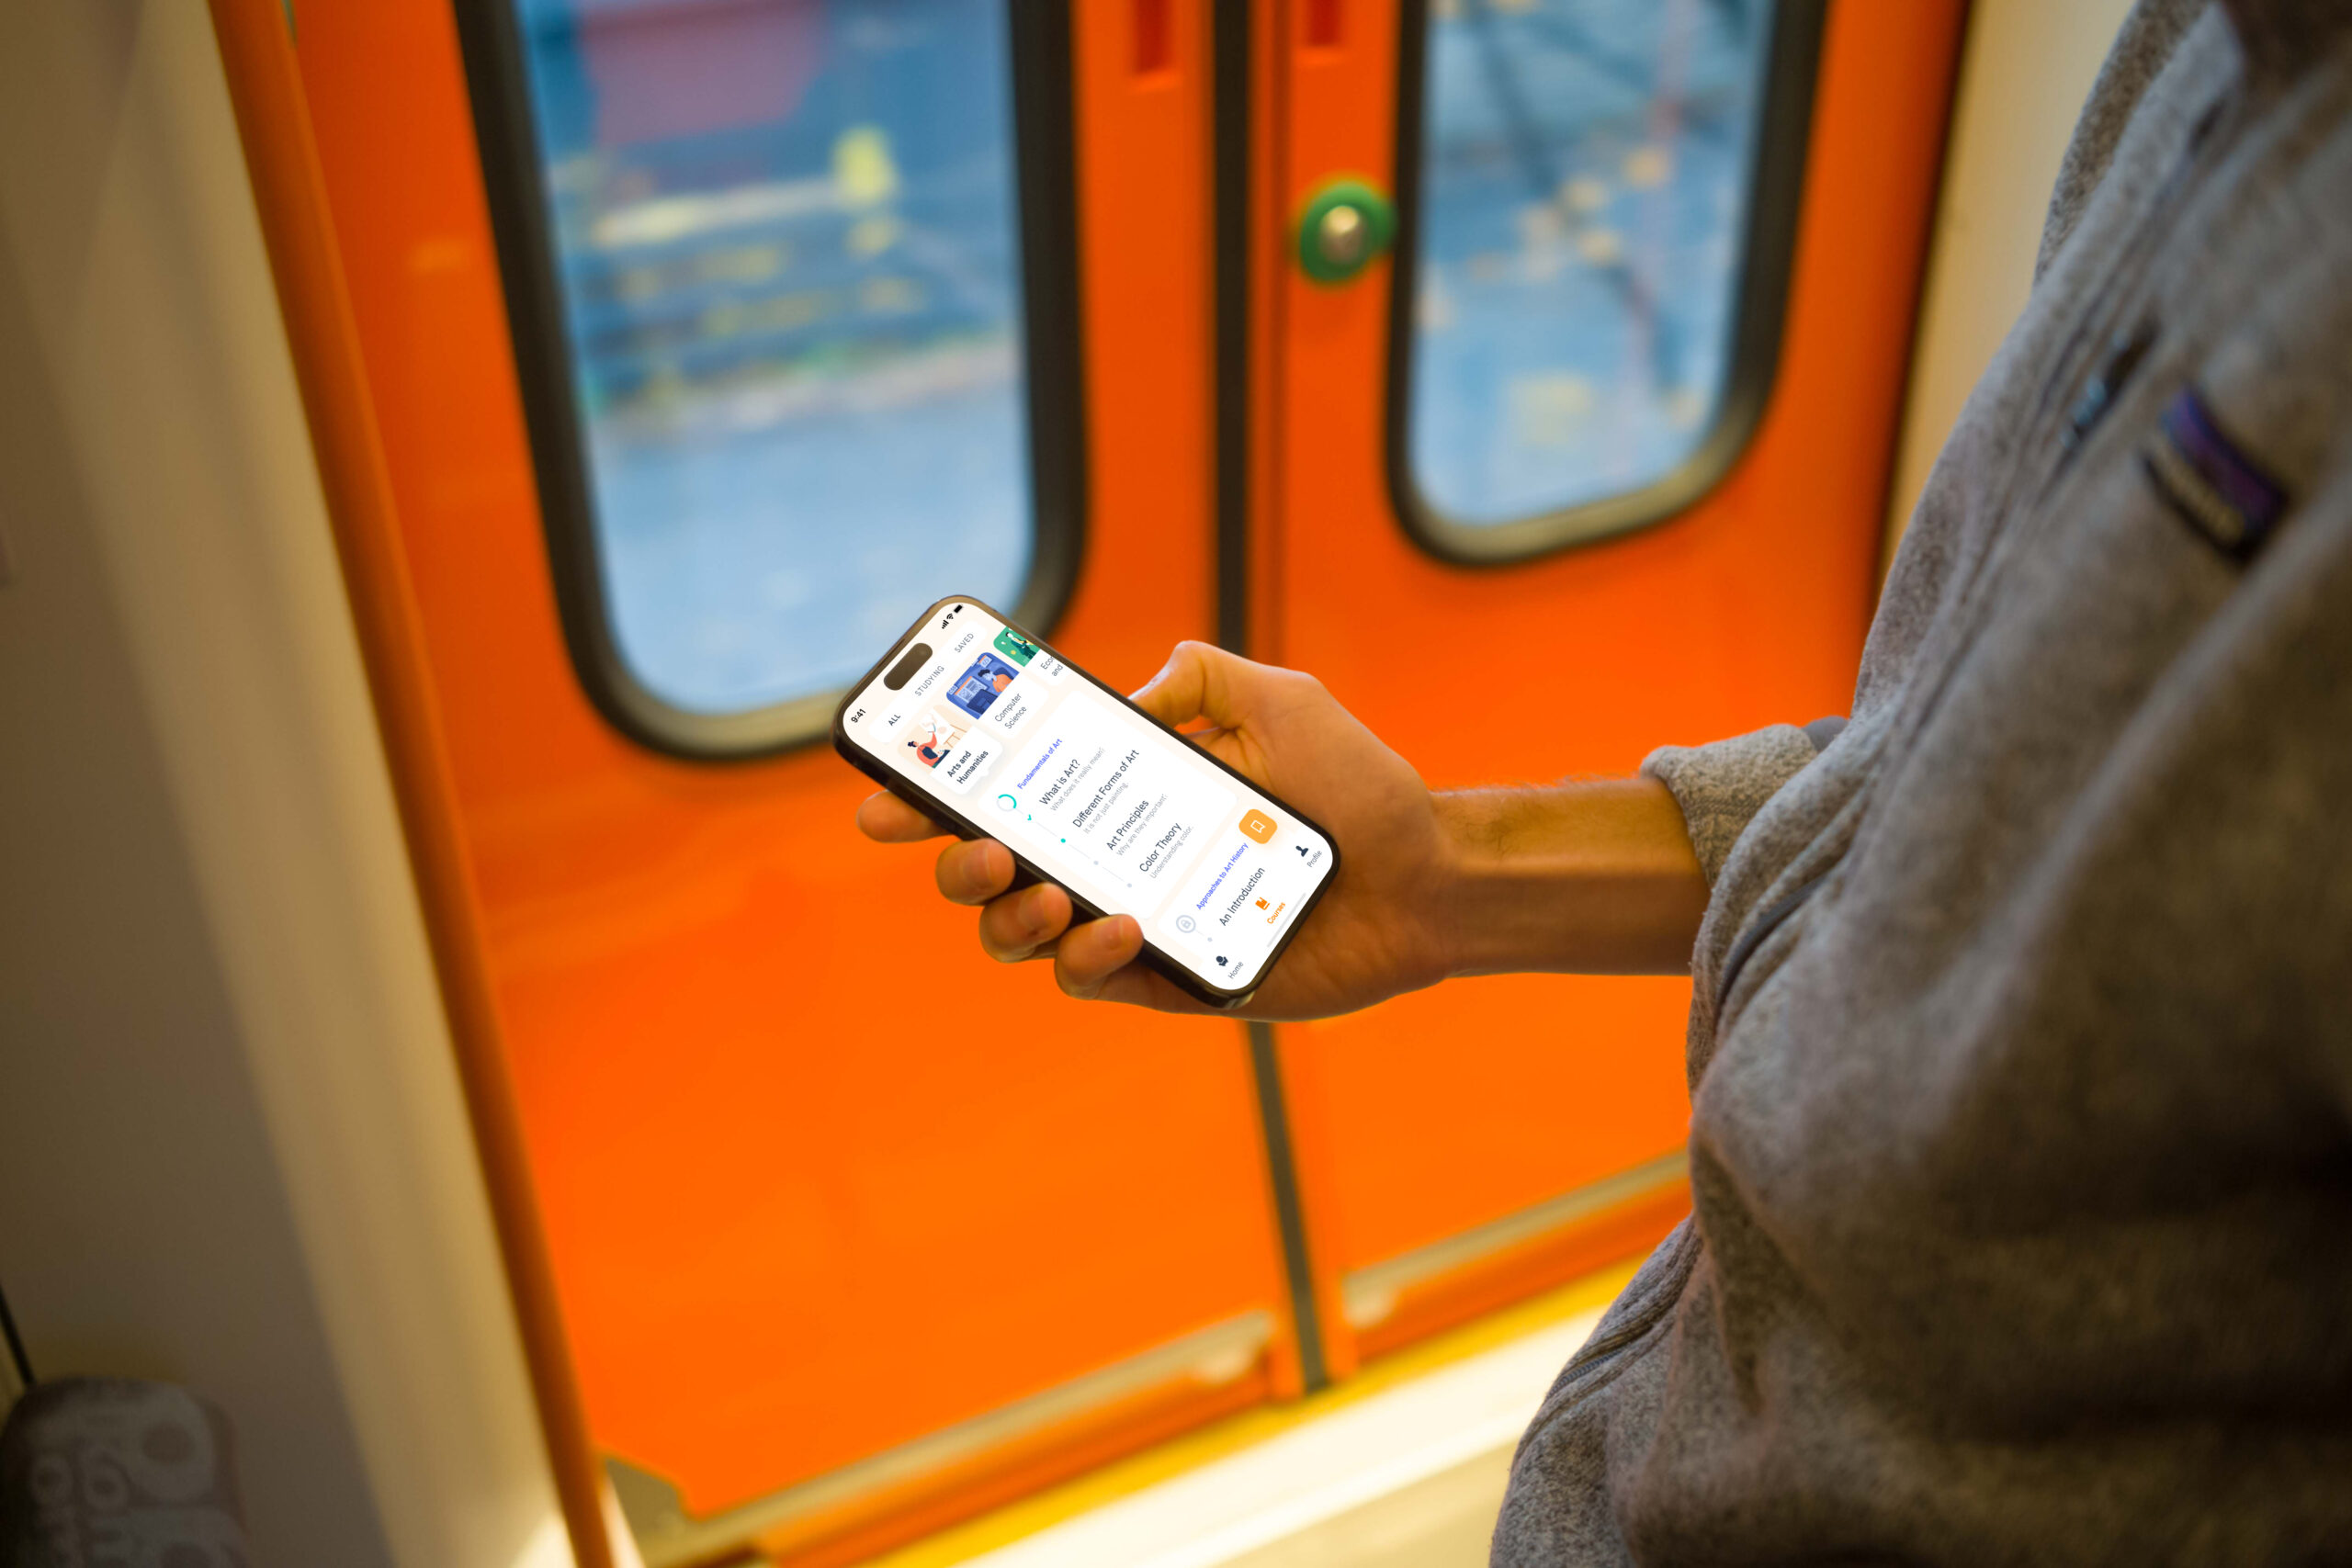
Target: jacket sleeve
point(1722, 785)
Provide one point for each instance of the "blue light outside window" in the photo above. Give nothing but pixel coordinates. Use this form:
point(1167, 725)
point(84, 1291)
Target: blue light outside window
point(786, 233)
point(1585, 173)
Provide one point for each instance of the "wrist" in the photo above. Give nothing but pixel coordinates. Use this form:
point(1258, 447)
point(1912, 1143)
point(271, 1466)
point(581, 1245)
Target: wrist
point(1474, 877)
point(1593, 876)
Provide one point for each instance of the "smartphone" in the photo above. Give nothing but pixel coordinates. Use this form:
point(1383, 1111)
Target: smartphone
point(984, 728)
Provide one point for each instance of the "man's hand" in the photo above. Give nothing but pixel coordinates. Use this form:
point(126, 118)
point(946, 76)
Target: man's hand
point(1371, 936)
point(1595, 876)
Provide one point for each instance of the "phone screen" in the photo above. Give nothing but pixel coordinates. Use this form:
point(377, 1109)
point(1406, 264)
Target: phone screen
point(1132, 819)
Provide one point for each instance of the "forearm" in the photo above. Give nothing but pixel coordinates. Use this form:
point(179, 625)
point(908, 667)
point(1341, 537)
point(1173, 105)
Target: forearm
point(1593, 877)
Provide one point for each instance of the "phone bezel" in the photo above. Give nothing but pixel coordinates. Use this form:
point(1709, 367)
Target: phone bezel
point(939, 810)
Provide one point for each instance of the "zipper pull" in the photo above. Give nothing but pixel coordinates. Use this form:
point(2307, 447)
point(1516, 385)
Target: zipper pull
point(2124, 356)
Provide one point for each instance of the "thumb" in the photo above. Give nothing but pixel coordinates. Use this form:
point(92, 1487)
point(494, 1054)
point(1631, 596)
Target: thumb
point(1199, 681)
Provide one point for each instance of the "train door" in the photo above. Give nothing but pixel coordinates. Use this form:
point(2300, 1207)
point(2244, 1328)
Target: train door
point(706, 343)
point(1579, 333)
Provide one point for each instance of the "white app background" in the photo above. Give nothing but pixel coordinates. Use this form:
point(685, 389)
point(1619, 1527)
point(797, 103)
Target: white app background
point(1099, 788)
point(1110, 806)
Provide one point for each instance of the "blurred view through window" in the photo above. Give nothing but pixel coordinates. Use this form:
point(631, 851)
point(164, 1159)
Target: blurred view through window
point(1585, 170)
point(786, 236)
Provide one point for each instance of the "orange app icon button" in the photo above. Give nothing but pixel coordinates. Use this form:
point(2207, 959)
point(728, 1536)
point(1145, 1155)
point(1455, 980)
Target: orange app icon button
point(1258, 826)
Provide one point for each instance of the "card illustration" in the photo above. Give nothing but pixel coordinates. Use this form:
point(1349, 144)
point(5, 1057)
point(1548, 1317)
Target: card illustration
point(933, 735)
point(982, 684)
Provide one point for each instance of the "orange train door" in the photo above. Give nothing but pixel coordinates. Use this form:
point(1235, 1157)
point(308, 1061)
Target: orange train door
point(706, 340)
point(707, 343)
point(1593, 459)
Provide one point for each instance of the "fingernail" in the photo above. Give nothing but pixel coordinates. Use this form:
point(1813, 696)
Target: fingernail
point(1033, 911)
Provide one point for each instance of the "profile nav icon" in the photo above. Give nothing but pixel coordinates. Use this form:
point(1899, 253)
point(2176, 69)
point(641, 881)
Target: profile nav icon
point(1258, 826)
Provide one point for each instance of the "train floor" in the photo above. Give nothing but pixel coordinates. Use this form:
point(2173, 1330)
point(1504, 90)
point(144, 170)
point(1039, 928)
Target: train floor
point(1402, 1466)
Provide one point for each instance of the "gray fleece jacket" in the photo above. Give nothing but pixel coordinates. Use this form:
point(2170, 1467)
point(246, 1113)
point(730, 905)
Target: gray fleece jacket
point(2020, 1054)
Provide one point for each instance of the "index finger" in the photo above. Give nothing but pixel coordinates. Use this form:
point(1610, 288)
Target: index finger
point(886, 818)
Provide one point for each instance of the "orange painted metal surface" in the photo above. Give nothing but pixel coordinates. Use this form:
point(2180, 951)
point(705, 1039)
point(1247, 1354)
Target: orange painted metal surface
point(816, 1180)
point(1436, 1113)
point(1571, 1252)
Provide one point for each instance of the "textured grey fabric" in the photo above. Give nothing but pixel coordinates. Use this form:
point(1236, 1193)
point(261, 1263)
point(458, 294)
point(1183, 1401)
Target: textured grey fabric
point(1825, 729)
point(2020, 1045)
point(2149, 36)
point(1721, 787)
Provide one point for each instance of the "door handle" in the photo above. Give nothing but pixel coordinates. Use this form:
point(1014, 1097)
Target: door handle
point(1345, 225)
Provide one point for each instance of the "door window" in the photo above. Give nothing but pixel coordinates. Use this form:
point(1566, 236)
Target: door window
point(1595, 236)
point(785, 365)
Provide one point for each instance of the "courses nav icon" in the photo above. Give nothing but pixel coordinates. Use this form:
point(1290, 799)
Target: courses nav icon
point(1258, 826)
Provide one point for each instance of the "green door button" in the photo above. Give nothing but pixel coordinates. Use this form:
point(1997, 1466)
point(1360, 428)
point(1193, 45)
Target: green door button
point(1345, 226)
